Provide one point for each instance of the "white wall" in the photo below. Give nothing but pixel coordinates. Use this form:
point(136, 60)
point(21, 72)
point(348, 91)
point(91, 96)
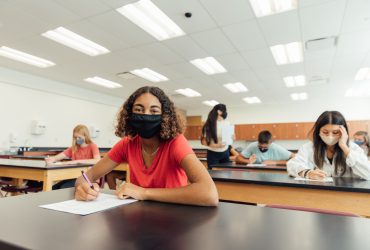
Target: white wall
point(60, 106)
point(305, 111)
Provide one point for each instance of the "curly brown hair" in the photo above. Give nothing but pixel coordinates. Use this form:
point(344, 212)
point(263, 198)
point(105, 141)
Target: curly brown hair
point(172, 122)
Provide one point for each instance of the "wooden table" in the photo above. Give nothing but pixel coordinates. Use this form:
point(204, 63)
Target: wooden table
point(276, 168)
point(154, 225)
point(345, 194)
point(38, 171)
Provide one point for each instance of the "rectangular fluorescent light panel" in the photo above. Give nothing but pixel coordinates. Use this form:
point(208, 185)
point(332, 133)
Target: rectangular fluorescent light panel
point(252, 100)
point(24, 57)
point(236, 87)
point(295, 81)
point(208, 65)
point(103, 82)
point(287, 53)
point(188, 92)
point(269, 7)
point(75, 41)
point(363, 74)
point(151, 19)
point(358, 91)
point(149, 75)
point(211, 103)
point(299, 96)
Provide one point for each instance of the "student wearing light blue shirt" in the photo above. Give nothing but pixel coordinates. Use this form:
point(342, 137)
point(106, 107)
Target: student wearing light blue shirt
point(264, 151)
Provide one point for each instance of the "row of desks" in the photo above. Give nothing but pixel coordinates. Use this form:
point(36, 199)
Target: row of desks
point(250, 186)
point(154, 225)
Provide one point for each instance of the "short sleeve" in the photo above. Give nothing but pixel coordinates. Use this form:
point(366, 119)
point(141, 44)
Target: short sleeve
point(247, 152)
point(118, 153)
point(68, 152)
point(95, 150)
point(180, 148)
point(283, 153)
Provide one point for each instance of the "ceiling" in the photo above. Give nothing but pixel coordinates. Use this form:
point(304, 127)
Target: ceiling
point(226, 30)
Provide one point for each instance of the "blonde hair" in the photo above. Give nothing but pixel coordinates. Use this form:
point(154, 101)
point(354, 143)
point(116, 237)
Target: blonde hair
point(83, 130)
point(366, 138)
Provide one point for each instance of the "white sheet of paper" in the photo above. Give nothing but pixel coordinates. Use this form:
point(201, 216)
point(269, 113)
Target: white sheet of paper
point(256, 165)
point(326, 179)
point(227, 134)
point(103, 202)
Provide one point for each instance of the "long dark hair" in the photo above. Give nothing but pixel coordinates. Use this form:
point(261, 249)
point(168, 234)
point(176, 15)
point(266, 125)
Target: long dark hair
point(339, 159)
point(209, 130)
point(172, 122)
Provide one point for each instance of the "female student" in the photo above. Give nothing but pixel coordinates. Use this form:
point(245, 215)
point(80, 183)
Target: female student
point(361, 138)
point(330, 153)
point(163, 167)
point(83, 150)
point(217, 151)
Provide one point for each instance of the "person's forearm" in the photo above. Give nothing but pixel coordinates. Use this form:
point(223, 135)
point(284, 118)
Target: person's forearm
point(241, 159)
point(193, 194)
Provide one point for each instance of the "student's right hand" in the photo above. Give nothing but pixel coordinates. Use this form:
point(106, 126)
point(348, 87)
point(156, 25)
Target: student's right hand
point(252, 159)
point(316, 174)
point(84, 192)
point(49, 160)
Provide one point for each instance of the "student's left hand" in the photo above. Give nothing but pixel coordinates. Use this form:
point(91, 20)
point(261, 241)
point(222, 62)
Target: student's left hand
point(344, 136)
point(130, 190)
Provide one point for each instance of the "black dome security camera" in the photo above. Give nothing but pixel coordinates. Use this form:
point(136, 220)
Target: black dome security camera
point(188, 14)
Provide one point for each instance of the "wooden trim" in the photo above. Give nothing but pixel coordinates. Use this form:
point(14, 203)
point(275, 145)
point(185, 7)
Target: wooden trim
point(353, 202)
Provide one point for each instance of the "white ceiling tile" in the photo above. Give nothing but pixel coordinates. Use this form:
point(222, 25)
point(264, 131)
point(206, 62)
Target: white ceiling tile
point(84, 8)
point(185, 69)
point(291, 69)
point(199, 21)
point(186, 47)
point(357, 16)
point(48, 11)
point(354, 42)
point(259, 58)
point(126, 31)
point(322, 20)
point(245, 35)
point(161, 53)
point(268, 74)
point(281, 28)
point(233, 62)
point(228, 12)
point(245, 76)
point(219, 45)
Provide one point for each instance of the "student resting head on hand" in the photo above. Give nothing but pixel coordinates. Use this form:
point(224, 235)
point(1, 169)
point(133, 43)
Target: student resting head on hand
point(330, 153)
point(163, 167)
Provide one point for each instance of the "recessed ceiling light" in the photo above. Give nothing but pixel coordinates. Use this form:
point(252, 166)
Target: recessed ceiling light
point(208, 65)
point(188, 92)
point(151, 19)
point(295, 81)
point(287, 53)
point(149, 75)
point(252, 100)
point(299, 96)
point(358, 91)
point(211, 103)
point(24, 57)
point(269, 7)
point(363, 74)
point(236, 87)
point(75, 41)
point(103, 82)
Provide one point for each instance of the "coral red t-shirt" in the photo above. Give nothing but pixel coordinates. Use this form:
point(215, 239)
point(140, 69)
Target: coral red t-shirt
point(83, 153)
point(165, 171)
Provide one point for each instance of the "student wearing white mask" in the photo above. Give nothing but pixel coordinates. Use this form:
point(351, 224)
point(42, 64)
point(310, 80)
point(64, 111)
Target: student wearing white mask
point(330, 153)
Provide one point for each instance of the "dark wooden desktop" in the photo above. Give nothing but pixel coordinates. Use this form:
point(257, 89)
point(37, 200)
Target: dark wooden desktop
point(345, 194)
point(276, 168)
point(152, 225)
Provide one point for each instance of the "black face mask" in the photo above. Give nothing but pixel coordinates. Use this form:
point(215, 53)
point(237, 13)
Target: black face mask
point(224, 115)
point(263, 150)
point(146, 126)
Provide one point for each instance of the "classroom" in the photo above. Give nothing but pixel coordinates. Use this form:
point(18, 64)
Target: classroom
point(185, 124)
